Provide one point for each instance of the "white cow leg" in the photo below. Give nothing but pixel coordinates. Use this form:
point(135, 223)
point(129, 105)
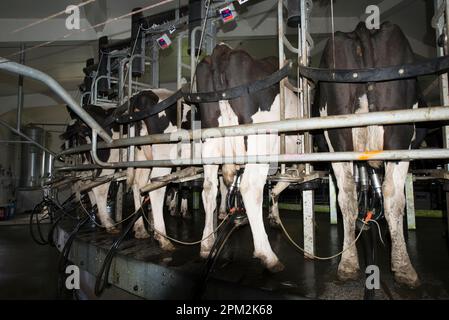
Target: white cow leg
point(184, 207)
point(92, 198)
point(209, 195)
point(140, 180)
point(157, 208)
point(224, 193)
point(348, 269)
point(251, 188)
point(273, 216)
point(210, 148)
point(101, 197)
point(173, 204)
point(394, 203)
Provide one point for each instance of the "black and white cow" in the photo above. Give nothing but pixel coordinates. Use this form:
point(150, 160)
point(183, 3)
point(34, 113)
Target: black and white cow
point(164, 122)
point(365, 48)
point(77, 132)
point(224, 69)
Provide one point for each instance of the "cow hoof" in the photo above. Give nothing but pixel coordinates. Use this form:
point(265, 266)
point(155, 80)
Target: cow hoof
point(112, 230)
point(409, 279)
point(204, 253)
point(164, 243)
point(222, 215)
point(186, 215)
point(167, 246)
point(274, 223)
point(348, 274)
point(141, 233)
point(275, 268)
point(173, 212)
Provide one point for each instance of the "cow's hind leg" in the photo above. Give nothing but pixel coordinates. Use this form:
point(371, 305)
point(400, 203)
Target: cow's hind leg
point(224, 193)
point(348, 269)
point(394, 203)
point(210, 148)
point(140, 180)
point(157, 207)
point(209, 195)
point(251, 188)
point(101, 197)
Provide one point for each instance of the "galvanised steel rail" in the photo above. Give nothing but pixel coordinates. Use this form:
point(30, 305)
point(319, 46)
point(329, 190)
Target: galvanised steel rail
point(276, 127)
point(392, 155)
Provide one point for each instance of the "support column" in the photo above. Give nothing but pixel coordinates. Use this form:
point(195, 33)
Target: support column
point(410, 201)
point(155, 65)
point(332, 200)
point(308, 195)
point(20, 95)
point(442, 28)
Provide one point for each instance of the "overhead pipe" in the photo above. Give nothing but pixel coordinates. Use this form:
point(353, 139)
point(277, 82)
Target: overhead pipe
point(26, 71)
point(290, 125)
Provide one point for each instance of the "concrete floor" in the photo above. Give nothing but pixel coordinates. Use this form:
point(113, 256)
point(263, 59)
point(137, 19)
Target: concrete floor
point(27, 270)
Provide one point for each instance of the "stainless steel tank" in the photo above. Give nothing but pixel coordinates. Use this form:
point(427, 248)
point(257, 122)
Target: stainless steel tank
point(31, 159)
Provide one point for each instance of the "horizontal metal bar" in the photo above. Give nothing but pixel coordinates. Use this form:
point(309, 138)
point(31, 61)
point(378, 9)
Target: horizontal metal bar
point(14, 141)
point(391, 155)
point(331, 122)
point(48, 124)
point(31, 141)
point(26, 71)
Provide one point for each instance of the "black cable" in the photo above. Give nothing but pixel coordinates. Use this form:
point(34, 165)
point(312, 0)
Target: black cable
point(35, 213)
point(65, 212)
point(214, 254)
point(64, 256)
point(102, 278)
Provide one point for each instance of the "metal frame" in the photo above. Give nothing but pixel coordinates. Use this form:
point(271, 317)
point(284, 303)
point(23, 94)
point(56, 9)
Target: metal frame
point(290, 125)
point(442, 27)
point(17, 68)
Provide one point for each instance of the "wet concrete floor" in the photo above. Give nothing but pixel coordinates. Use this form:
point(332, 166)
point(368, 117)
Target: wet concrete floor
point(28, 271)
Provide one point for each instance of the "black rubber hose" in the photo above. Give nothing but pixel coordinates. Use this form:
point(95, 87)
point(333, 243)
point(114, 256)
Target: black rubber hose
point(103, 276)
point(64, 256)
point(64, 212)
point(214, 254)
point(35, 214)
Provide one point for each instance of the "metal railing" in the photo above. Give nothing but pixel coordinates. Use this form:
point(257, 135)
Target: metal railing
point(17, 68)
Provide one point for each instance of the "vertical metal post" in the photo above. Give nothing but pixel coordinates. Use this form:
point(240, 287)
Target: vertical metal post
point(307, 195)
point(445, 93)
point(332, 200)
point(196, 200)
point(193, 84)
point(410, 201)
point(443, 26)
point(20, 95)
point(179, 77)
point(178, 85)
point(155, 65)
point(281, 83)
point(119, 203)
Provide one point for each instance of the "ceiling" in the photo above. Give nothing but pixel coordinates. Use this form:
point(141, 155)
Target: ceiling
point(256, 31)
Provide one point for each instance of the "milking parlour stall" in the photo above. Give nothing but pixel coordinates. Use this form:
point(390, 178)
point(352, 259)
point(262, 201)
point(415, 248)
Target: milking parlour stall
point(224, 155)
